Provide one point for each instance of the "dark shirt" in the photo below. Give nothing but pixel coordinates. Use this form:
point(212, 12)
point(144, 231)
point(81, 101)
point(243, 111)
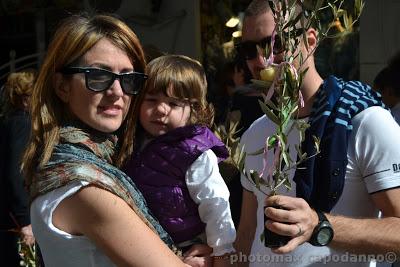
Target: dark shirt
point(249, 108)
point(14, 199)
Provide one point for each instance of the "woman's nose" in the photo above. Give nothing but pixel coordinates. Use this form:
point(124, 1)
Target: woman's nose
point(116, 88)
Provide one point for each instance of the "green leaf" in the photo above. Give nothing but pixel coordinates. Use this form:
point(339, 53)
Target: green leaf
point(271, 141)
point(346, 21)
point(286, 158)
point(303, 72)
point(262, 237)
point(318, 5)
point(298, 150)
point(256, 178)
point(334, 9)
point(268, 112)
point(287, 184)
point(340, 12)
point(294, 110)
point(271, 104)
point(259, 83)
point(257, 152)
point(242, 158)
point(299, 16)
point(305, 38)
point(283, 7)
point(358, 7)
point(317, 142)
point(271, 5)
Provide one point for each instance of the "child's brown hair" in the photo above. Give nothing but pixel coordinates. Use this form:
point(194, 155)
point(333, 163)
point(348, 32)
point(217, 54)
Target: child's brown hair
point(184, 78)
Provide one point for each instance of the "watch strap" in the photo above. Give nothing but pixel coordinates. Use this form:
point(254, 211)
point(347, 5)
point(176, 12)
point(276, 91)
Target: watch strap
point(321, 217)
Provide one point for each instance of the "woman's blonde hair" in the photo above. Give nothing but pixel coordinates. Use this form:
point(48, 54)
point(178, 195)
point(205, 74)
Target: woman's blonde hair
point(74, 37)
point(184, 78)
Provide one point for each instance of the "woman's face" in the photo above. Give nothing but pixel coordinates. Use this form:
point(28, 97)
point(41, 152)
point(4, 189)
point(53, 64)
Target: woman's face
point(106, 110)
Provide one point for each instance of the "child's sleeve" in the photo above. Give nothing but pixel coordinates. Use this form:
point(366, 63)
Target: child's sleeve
point(208, 189)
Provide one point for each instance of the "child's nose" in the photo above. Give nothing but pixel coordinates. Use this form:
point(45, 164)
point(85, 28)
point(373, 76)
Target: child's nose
point(163, 108)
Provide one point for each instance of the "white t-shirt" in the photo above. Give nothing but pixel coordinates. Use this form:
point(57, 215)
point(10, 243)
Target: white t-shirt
point(59, 248)
point(373, 165)
point(396, 112)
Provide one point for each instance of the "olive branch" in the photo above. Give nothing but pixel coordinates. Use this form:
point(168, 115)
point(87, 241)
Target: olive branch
point(283, 96)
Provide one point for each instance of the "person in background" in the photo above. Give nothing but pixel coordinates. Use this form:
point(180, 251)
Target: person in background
point(387, 83)
point(245, 96)
point(184, 190)
point(85, 211)
point(14, 134)
point(336, 198)
point(236, 104)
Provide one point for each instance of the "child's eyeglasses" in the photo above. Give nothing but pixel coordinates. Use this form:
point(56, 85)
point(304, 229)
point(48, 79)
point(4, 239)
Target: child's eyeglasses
point(99, 80)
point(248, 49)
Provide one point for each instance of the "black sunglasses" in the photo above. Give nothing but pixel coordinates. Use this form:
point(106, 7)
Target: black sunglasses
point(99, 80)
point(248, 49)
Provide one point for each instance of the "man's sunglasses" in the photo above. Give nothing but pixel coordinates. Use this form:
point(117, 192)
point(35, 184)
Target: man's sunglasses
point(248, 49)
point(99, 80)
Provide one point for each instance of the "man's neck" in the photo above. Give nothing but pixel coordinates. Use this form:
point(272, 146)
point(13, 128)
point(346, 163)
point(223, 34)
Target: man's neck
point(311, 83)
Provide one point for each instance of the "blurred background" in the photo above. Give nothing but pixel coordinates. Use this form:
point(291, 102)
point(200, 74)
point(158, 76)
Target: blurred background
point(196, 28)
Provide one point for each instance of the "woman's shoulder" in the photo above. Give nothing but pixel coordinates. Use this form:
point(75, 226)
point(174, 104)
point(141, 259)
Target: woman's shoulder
point(47, 202)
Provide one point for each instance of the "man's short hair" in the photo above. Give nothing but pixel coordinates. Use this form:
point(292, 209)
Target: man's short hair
point(257, 7)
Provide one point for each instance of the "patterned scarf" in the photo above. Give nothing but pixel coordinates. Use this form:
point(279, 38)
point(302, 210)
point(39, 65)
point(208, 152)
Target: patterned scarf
point(87, 156)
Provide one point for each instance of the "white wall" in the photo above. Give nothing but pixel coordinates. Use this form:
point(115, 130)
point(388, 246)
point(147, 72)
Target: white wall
point(379, 36)
point(175, 29)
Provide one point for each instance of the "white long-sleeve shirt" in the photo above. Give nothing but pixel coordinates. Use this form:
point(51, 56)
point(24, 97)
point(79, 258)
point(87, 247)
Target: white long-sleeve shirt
point(207, 188)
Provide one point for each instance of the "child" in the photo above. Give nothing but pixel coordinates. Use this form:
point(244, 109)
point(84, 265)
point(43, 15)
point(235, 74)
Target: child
point(177, 166)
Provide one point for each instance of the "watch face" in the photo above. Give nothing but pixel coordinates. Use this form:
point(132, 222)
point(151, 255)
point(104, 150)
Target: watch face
point(324, 236)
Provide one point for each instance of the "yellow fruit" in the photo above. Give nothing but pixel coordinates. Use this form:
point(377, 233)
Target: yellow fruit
point(268, 74)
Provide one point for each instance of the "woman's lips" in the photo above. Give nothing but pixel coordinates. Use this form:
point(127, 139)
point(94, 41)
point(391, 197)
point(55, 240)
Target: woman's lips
point(112, 110)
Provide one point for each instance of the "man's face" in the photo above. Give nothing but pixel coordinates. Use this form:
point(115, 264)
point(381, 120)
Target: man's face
point(255, 29)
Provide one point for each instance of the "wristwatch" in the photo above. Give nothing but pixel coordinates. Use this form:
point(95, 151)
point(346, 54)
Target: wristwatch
point(323, 232)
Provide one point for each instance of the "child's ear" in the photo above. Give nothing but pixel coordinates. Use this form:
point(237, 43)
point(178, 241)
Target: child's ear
point(61, 88)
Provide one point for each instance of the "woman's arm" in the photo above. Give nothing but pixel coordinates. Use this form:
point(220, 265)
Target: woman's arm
point(114, 227)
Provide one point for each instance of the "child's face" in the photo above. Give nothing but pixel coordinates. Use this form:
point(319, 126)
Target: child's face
point(160, 113)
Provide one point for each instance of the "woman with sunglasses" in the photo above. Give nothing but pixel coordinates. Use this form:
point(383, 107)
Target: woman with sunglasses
point(85, 211)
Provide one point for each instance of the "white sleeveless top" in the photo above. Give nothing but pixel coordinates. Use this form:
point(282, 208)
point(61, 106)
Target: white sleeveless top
point(60, 248)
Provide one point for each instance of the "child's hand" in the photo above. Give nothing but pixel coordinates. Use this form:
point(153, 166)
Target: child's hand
point(27, 235)
point(198, 256)
point(223, 263)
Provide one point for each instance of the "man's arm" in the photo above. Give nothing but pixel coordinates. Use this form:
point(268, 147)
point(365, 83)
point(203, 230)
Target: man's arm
point(374, 151)
point(247, 225)
point(371, 235)
point(356, 235)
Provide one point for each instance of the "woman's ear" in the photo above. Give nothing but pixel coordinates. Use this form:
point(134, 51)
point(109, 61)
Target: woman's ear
point(61, 88)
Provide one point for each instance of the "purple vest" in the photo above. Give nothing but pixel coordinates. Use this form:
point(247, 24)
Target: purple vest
point(159, 172)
